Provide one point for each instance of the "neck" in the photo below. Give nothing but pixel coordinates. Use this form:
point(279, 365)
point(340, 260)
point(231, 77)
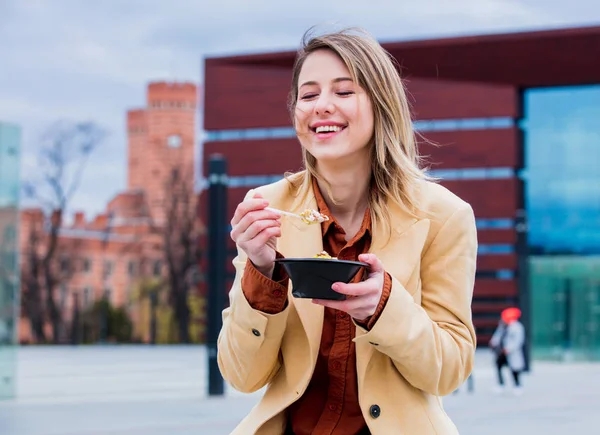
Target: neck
point(349, 186)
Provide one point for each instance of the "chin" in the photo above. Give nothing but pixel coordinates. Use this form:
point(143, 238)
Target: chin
point(327, 155)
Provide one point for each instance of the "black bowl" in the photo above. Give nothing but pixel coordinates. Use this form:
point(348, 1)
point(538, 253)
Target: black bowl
point(313, 277)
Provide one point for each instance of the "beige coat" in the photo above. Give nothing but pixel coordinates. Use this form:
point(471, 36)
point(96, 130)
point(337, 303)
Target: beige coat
point(421, 347)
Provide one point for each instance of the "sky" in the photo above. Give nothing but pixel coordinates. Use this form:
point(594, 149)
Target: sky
point(73, 60)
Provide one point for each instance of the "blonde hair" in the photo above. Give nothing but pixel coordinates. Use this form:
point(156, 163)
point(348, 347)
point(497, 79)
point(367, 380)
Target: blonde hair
point(395, 161)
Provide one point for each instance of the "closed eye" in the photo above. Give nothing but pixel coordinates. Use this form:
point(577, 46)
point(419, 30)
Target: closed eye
point(341, 94)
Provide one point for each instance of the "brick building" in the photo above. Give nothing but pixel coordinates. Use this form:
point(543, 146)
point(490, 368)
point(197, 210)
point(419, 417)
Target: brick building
point(110, 254)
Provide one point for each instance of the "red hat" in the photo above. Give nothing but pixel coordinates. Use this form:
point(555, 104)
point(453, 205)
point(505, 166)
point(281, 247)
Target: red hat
point(509, 315)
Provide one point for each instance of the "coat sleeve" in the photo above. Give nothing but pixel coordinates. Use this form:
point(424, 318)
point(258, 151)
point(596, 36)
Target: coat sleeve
point(495, 340)
point(433, 344)
point(249, 341)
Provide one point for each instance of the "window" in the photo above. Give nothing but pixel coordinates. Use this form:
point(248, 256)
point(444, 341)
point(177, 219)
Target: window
point(108, 295)
point(129, 298)
point(65, 264)
point(63, 295)
point(174, 141)
point(86, 265)
point(10, 234)
point(562, 173)
point(108, 268)
point(175, 175)
point(196, 275)
point(131, 269)
point(157, 268)
point(8, 256)
point(87, 297)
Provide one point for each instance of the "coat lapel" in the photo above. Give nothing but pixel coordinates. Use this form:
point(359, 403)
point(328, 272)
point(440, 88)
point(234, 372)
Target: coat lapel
point(402, 252)
point(400, 255)
point(304, 241)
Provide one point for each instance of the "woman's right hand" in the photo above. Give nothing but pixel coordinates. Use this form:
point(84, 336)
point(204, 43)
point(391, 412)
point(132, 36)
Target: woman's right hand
point(255, 230)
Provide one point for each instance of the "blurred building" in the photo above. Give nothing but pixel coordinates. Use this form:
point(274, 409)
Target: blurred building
point(162, 139)
point(516, 116)
point(119, 253)
point(10, 150)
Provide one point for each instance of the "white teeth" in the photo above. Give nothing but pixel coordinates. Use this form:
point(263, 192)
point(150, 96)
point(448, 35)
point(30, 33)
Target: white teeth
point(326, 128)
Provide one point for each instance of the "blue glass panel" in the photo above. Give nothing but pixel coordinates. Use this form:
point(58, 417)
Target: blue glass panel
point(562, 134)
point(10, 138)
point(256, 133)
point(505, 275)
point(499, 173)
point(283, 132)
point(211, 136)
point(500, 123)
point(495, 249)
point(231, 135)
point(462, 124)
point(472, 173)
point(494, 224)
point(446, 174)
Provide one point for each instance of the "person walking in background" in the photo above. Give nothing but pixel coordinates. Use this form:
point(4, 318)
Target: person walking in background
point(507, 344)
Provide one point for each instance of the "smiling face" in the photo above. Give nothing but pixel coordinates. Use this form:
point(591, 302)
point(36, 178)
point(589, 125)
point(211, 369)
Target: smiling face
point(333, 114)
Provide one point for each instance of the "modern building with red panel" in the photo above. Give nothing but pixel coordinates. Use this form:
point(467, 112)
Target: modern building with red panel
point(495, 105)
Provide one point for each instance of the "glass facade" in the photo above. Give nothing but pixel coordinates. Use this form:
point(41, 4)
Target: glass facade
point(10, 138)
point(562, 176)
point(562, 157)
point(565, 293)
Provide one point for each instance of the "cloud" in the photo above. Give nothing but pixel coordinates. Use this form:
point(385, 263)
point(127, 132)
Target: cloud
point(69, 59)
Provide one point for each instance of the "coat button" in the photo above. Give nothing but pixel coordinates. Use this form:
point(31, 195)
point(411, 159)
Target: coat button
point(375, 411)
point(256, 332)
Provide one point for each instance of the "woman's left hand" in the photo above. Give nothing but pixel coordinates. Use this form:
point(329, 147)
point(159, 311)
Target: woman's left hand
point(363, 297)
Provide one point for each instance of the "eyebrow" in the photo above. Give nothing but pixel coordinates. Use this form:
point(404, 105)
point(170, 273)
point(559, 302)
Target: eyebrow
point(337, 80)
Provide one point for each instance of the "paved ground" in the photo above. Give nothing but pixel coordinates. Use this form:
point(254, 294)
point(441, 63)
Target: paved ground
point(162, 390)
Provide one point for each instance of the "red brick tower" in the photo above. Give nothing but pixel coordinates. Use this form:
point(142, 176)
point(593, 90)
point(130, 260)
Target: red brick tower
point(161, 140)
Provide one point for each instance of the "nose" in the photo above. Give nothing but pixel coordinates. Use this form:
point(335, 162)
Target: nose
point(324, 104)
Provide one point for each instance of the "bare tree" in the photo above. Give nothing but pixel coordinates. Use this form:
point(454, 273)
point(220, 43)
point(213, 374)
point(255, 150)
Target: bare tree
point(181, 244)
point(64, 152)
point(31, 279)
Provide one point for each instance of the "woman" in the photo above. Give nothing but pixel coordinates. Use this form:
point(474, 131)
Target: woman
point(377, 362)
point(507, 343)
